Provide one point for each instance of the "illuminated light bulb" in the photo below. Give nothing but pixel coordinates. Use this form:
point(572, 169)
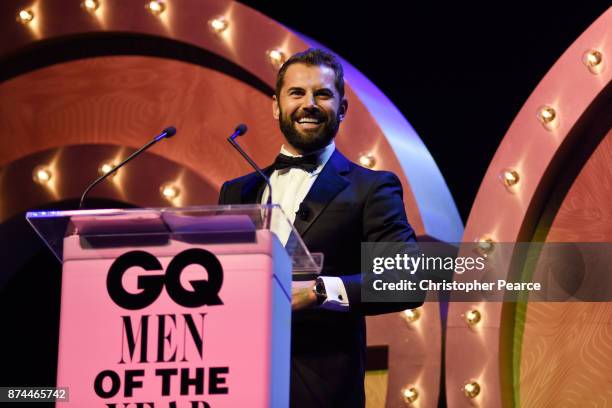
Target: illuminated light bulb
point(90, 5)
point(277, 57)
point(156, 7)
point(473, 317)
point(170, 191)
point(218, 24)
point(548, 117)
point(547, 114)
point(509, 177)
point(410, 394)
point(42, 174)
point(105, 168)
point(485, 244)
point(411, 315)
point(25, 16)
point(367, 160)
point(593, 60)
point(471, 389)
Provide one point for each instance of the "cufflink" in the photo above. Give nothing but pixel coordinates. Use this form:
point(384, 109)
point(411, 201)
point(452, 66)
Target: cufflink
point(319, 291)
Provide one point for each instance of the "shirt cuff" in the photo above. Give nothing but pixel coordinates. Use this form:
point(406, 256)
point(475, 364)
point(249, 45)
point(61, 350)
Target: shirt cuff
point(337, 298)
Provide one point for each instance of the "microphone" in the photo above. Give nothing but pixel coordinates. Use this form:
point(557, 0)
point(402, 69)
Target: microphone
point(166, 133)
point(239, 131)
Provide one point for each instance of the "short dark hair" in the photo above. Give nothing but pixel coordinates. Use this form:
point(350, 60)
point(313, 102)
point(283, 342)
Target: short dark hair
point(313, 57)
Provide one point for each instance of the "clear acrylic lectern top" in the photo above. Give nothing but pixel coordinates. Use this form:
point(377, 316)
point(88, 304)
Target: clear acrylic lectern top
point(204, 224)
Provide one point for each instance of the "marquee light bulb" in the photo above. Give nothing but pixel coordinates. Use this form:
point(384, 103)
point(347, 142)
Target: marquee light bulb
point(548, 117)
point(170, 191)
point(367, 160)
point(90, 5)
point(105, 168)
point(547, 114)
point(277, 57)
point(593, 60)
point(471, 389)
point(473, 317)
point(25, 16)
point(411, 315)
point(218, 24)
point(485, 245)
point(156, 7)
point(42, 174)
point(510, 177)
point(410, 394)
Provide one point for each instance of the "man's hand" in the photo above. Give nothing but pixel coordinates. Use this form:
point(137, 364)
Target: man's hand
point(303, 296)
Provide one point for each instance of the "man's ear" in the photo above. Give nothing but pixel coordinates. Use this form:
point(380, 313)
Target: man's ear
point(342, 109)
point(275, 108)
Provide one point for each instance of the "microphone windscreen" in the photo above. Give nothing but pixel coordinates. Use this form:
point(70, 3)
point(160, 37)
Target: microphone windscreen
point(241, 129)
point(169, 131)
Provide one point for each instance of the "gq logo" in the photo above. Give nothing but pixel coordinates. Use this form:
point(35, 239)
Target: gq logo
point(206, 292)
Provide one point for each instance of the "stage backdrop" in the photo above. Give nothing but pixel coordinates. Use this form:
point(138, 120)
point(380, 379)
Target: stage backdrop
point(82, 87)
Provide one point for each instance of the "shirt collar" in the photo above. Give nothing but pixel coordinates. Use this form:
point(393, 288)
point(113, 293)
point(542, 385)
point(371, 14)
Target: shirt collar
point(323, 154)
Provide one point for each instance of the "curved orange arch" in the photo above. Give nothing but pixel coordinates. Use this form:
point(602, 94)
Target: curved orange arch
point(536, 151)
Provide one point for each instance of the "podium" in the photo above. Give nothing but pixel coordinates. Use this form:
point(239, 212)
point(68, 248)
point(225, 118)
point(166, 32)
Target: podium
point(166, 307)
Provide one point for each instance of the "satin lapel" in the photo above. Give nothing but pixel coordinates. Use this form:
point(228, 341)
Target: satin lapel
point(253, 188)
point(327, 186)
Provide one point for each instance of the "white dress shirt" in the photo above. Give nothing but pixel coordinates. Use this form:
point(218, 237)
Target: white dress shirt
point(289, 188)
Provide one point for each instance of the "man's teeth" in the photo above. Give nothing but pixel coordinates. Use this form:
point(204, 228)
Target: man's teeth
point(308, 120)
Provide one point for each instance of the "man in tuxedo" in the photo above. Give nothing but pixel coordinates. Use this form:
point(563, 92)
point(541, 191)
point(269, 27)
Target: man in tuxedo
point(335, 205)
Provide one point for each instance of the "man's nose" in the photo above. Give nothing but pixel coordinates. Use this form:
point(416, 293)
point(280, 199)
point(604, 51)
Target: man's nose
point(310, 102)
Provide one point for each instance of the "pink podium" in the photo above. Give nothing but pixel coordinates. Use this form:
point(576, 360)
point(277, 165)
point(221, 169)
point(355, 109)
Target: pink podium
point(173, 307)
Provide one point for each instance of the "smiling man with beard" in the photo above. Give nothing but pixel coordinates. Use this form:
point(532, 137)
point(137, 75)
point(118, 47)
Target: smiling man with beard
point(341, 205)
point(308, 110)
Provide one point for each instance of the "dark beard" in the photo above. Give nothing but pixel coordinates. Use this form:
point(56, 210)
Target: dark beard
point(311, 141)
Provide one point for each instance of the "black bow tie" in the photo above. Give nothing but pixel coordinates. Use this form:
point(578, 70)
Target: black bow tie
point(308, 163)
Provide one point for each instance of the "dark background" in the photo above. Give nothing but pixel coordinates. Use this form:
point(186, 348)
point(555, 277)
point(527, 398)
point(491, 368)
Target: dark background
point(459, 74)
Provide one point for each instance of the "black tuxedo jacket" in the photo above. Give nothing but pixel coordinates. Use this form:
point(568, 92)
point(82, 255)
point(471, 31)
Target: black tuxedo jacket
point(346, 205)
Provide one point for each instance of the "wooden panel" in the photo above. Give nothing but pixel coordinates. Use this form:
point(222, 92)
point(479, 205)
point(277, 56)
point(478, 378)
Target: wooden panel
point(567, 347)
point(415, 356)
point(376, 388)
point(127, 100)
